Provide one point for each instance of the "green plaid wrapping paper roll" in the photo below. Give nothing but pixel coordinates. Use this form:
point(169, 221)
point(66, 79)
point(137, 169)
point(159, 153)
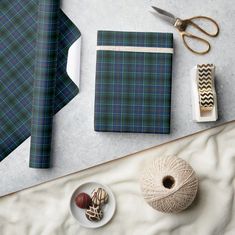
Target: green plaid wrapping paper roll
point(133, 82)
point(18, 43)
point(44, 83)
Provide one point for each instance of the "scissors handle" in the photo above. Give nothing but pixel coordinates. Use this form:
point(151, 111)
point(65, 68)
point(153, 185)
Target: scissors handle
point(205, 18)
point(182, 25)
point(186, 35)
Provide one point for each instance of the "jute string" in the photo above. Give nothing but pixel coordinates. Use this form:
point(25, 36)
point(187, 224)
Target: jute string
point(169, 184)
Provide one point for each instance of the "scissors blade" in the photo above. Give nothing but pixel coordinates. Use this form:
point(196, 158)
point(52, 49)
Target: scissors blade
point(165, 15)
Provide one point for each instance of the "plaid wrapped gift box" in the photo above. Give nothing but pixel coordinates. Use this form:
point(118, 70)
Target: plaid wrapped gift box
point(133, 82)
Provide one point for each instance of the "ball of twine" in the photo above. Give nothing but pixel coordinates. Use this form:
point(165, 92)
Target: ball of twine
point(169, 184)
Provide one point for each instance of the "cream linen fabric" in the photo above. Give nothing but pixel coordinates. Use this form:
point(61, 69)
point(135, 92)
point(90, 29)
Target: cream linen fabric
point(44, 209)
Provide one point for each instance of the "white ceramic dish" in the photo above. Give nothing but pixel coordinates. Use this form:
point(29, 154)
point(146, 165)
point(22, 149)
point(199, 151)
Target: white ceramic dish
point(79, 214)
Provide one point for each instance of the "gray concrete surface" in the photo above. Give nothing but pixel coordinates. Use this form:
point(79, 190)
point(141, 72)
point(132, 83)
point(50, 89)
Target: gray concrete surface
point(76, 146)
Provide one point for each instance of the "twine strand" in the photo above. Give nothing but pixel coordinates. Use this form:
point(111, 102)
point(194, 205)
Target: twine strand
point(169, 184)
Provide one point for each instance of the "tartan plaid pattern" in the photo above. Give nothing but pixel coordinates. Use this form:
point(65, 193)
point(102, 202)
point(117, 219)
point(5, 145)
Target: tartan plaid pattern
point(133, 89)
point(44, 83)
point(17, 66)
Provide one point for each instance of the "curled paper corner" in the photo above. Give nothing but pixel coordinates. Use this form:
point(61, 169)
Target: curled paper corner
point(74, 61)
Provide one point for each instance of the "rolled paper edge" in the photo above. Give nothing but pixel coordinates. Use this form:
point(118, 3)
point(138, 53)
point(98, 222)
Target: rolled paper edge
point(44, 84)
point(73, 35)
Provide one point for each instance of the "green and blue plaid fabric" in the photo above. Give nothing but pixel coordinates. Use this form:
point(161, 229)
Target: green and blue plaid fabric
point(44, 83)
point(18, 42)
point(133, 89)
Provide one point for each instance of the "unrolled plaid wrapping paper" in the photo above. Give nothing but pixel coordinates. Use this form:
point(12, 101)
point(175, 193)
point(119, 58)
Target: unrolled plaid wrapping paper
point(31, 37)
point(133, 82)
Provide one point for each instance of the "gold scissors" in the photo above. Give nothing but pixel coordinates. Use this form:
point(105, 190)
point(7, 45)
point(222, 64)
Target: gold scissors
point(182, 25)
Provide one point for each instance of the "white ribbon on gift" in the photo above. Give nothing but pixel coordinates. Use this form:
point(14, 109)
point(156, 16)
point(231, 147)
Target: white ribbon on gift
point(136, 49)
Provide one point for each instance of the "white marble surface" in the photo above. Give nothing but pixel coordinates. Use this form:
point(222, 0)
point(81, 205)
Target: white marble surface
point(76, 146)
